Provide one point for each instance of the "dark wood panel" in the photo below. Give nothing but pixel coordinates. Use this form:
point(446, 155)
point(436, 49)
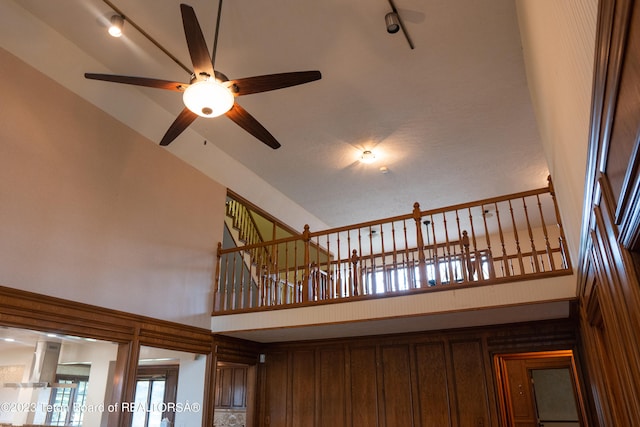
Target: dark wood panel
point(470, 384)
point(239, 390)
point(432, 383)
point(396, 378)
point(522, 412)
point(332, 409)
point(626, 122)
point(304, 397)
point(364, 400)
point(609, 286)
point(276, 367)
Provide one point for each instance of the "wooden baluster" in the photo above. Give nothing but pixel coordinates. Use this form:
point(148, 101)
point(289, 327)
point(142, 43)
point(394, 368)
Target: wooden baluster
point(305, 282)
point(339, 267)
point(534, 253)
point(467, 255)
point(517, 240)
point(447, 247)
point(319, 290)
point(547, 244)
point(463, 258)
point(405, 259)
point(216, 287)
point(284, 287)
point(476, 255)
point(436, 257)
point(371, 277)
point(395, 283)
point(354, 263)
point(362, 267)
point(505, 259)
point(351, 272)
point(491, 272)
point(385, 278)
point(239, 285)
point(332, 291)
point(296, 273)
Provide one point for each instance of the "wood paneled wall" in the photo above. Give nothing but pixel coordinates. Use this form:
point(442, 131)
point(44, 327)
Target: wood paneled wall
point(429, 379)
point(609, 289)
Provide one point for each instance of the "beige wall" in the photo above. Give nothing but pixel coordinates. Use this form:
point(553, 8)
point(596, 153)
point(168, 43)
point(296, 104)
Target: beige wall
point(558, 39)
point(99, 214)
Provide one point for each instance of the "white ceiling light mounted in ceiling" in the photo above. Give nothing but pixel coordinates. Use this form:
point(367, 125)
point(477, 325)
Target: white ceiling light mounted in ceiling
point(367, 157)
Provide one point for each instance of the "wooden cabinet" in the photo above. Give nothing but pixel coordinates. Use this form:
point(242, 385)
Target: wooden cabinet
point(231, 387)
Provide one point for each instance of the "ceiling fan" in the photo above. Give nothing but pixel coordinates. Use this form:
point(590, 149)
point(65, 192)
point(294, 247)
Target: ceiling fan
point(210, 93)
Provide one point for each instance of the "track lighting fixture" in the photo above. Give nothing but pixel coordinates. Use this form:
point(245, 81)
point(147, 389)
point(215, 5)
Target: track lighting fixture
point(393, 25)
point(117, 22)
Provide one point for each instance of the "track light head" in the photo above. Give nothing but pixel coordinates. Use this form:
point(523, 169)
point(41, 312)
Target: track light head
point(392, 21)
point(117, 22)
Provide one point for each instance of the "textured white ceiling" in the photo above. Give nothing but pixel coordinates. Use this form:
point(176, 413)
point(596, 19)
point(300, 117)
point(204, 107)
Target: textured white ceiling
point(451, 119)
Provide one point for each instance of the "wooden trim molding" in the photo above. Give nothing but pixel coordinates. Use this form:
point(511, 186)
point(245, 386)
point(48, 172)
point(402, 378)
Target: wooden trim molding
point(27, 310)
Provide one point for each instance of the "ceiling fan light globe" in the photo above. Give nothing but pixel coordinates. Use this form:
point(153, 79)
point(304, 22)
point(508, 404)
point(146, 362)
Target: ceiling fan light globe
point(208, 98)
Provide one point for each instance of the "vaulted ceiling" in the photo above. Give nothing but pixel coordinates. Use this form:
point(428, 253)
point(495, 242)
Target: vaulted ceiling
point(451, 120)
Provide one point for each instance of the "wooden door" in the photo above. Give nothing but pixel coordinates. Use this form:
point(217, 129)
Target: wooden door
point(523, 404)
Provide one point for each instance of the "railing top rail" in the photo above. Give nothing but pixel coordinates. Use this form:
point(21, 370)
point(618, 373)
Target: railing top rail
point(407, 216)
point(488, 201)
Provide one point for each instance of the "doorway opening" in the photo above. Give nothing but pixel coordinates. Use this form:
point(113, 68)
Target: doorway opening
point(539, 389)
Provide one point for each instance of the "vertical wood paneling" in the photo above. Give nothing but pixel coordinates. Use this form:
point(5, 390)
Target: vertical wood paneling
point(470, 384)
point(332, 410)
point(276, 389)
point(433, 392)
point(609, 286)
point(303, 381)
point(435, 379)
point(364, 401)
point(396, 378)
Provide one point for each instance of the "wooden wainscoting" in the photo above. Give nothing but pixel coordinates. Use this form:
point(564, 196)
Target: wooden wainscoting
point(609, 288)
point(428, 379)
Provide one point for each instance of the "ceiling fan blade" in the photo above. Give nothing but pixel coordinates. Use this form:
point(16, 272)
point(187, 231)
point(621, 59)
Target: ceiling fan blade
point(247, 122)
point(139, 81)
point(268, 82)
point(184, 119)
point(196, 43)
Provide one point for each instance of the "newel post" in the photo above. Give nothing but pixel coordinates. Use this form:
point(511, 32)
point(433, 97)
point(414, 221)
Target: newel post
point(562, 238)
point(422, 265)
point(306, 282)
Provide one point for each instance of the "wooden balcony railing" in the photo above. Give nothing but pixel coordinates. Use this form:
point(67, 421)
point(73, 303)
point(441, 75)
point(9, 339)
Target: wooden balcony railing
point(497, 240)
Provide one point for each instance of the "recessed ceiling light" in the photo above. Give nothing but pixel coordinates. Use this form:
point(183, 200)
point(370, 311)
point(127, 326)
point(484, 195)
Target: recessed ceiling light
point(367, 156)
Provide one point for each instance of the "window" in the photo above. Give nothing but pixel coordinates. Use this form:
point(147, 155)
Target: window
point(67, 400)
point(156, 387)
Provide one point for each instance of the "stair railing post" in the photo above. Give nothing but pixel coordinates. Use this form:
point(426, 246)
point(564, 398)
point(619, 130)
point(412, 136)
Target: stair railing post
point(422, 264)
point(562, 238)
point(306, 285)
